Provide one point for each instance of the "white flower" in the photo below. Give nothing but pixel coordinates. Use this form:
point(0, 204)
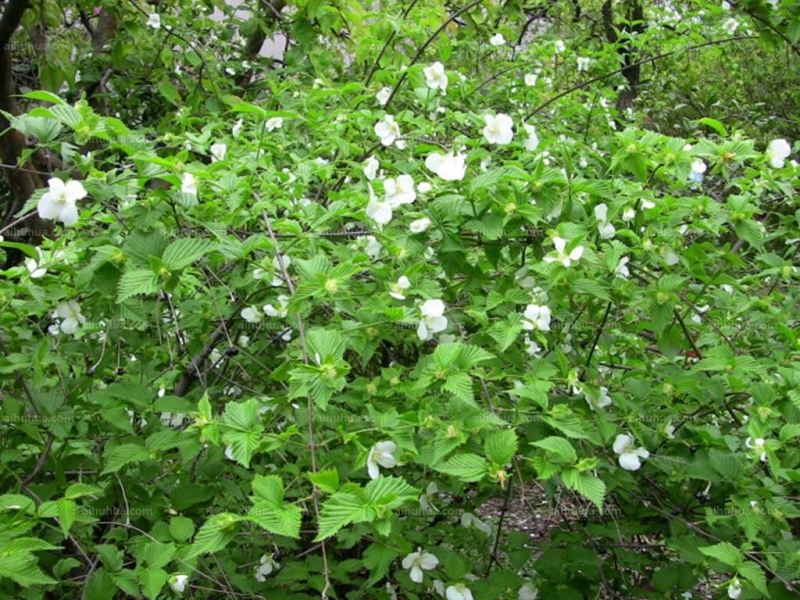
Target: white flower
point(532, 141)
point(274, 123)
point(71, 317)
point(458, 592)
point(698, 168)
point(277, 280)
point(36, 267)
point(629, 455)
point(734, 589)
point(371, 166)
point(450, 167)
point(425, 501)
point(498, 129)
point(281, 311)
point(218, 152)
point(435, 76)
point(154, 20)
point(383, 95)
point(400, 191)
point(178, 583)
point(424, 187)
point(599, 402)
point(267, 566)
point(237, 128)
point(171, 419)
point(583, 64)
point(561, 256)
point(372, 247)
point(727, 6)
point(417, 562)
point(531, 347)
point(628, 214)
point(528, 592)
point(433, 319)
point(536, 317)
point(730, 26)
point(189, 184)
point(606, 229)
point(398, 288)
point(388, 130)
point(530, 79)
point(60, 201)
point(469, 520)
point(560, 46)
point(381, 455)
point(777, 152)
point(378, 211)
point(419, 225)
point(622, 268)
point(757, 447)
point(497, 40)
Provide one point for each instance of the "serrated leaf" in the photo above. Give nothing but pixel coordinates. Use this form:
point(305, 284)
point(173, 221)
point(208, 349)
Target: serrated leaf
point(79, 490)
point(378, 558)
point(215, 534)
point(327, 480)
point(152, 581)
point(44, 96)
point(181, 528)
point(501, 446)
point(133, 283)
point(23, 569)
point(25, 544)
point(390, 492)
point(588, 486)
point(724, 552)
point(466, 467)
point(123, 455)
point(268, 487)
point(183, 252)
point(277, 518)
point(754, 575)
point(342, 509)
point(559, 446)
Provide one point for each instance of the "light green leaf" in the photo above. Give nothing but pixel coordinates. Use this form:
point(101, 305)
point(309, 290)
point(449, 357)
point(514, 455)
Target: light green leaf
point(183, 252)
point(501, 446)
point(559, 446)
point(586, 485)
point(724, 552)
point(466, 467)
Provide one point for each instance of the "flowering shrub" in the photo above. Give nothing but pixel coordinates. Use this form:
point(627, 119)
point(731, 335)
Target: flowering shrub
point(291, 341)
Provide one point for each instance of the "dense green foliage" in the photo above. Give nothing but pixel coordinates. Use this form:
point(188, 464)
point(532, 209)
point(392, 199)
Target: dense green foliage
point(298, 320)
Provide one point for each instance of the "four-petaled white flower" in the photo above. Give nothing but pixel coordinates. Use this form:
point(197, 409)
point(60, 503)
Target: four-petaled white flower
point(498, 129)
point(698, 168)
point(458, 592)
point(531, 347)
point(730, 26)
point(424, 187)
point(734, 589)
point(178, 583)
point(267, 566)
point(560, 46)
point(497, 40)
point(218, 151)
point(600, 401)
point(435, 76)
point(237, 128)
point(757, 446)
point(400, 191)
point(629, 454)
point(274, 123)
point(622, 268)
point(425, 501)
point(560, 254)
point(36, 267)
point(583, 63)
point(530, 79)
point(381, 455)
point(417, 562)
point(419, 225)
point(388, 130)
point(469, 520)
point(528, 591)
point(71, 317)
point(189, 184)
point(450, 166)
point(433, 319)
point(536, 317)
point(281, 311)
point(628, 214)
point(59, 202)
point(398, 288)
point(371, 166)
point(778, 151)
point(154, 20)
point(277, 280)
point(606, 229)
point(532, 141)
point(383, 95)
point(378, 210)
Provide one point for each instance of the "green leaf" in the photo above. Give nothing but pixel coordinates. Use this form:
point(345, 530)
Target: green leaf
point(152, 581)
point(754, 575)
point(183, 252)
point(156, 554)
point(466, 467)
point(181, 528)
point(26, 544)
point(724, 552)
point(341, 509)
point(501, 446)
point(390, 492)
point(715, 125)
point(44, 97)
point(559, 446)
point(23, 570)
point(378, 558)
point(125, 454)
point(215, 534)
point(587, 485)
point(79, 490)
point(277, 518)
point(100, 586)
point(327, 480)
point(268, 487)
point(133, 283)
